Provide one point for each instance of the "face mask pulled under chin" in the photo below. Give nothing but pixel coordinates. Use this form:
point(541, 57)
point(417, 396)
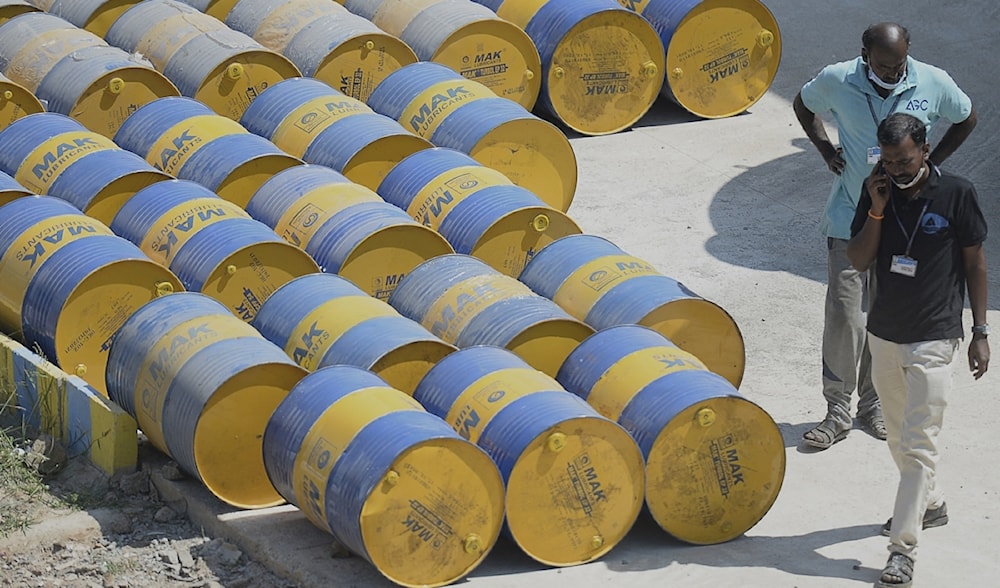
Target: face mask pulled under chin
point(883, 84)
point(913, 182)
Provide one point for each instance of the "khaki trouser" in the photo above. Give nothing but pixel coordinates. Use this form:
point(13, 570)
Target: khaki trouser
point(846, 360)
point(912, 380)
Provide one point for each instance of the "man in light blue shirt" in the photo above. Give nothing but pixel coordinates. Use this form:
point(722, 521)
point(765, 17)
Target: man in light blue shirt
point(859, 94)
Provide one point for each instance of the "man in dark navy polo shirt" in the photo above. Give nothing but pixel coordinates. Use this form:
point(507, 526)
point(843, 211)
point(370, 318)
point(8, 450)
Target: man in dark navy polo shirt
point(923, 230)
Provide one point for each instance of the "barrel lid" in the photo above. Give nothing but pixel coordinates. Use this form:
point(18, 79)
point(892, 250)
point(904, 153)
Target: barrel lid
point(372, 162)
point(575, 491)
point(516, 237)
point(705, 330)
point(105, 15)
point(715, 470)
point(722, 57)
point(109, 200)
point(588, 98)
point(244, 181)
point(16, 102)
point(98, 306)
point(546, 344)
point(406, 365)
point(379, 261)
point(358, 65)
point(497, 54)
point(455, 496)
point(234, 83)
point(115, 95)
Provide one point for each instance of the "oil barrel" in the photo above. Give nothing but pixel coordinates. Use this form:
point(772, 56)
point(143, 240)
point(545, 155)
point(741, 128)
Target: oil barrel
point(475, 207)
point(450, 111)
point(346, 227)
point(325, 41)
point(67, 283)
point(16, 102)
point(715, 461)
point(391, 482)
point(10, 189)
point(212, 245)
point(311, 120)
point(207, 60)
point(76, 73)
point(467, 38)
point(322, 320)
point(202, 385)
point(575, 480)
point(598, 283)
point(53, 154)
point(183, 137)
point(466, 302)
point(602, 65)
point(721, 55)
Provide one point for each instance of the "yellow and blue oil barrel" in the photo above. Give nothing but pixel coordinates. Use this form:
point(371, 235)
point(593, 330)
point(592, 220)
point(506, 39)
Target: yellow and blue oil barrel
point(311, 120)
point(67, 283)
point(575, 480)
point(466, 302)
point(76, 72)
point(598, 283)
point(55, 155)
point(721, 55)
point(325, 41)
point(393, 483)
point(183, 137)
point(202, 385)
point(715, 461)
point(207, 60)
point(11, 8)
point(602, 65)
point(10, 189)
point(212, 245)
point(96, 16)
point(16, 102)
point(475, 207)
point(450, 111)
point(322, 320)
point(467, 38)
point(346, 227)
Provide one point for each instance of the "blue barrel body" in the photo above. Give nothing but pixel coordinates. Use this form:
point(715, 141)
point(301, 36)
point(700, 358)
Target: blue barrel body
point(65, 83)
point(9, 184)
point(136, 217)
point(214, 162)
point(291, 303)
point(24, 135)
point(23, 213)
point(274, 104)
point(363, 8)
point(466, 224)
point(273, 199)
point(464, 128)
point(432, 26)
point(146, 125)
point(341, 233)
point(653, 407)
point(84, 179)
point(247, 15)
point(398, 89)
point(407, 178)
point(309, 47)
point(337, 144)
point(130, 28)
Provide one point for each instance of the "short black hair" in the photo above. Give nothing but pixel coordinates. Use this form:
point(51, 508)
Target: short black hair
point(899, 125)
point(876, 34)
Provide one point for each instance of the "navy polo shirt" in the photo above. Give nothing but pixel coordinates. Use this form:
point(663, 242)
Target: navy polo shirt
point(927, 306)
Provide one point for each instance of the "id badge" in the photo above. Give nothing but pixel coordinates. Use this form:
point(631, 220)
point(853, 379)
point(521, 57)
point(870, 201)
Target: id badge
point(874, 154)
point(903, 265)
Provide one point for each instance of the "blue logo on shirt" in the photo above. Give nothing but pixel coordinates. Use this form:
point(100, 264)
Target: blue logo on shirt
point(932, 224)
point(917, 104)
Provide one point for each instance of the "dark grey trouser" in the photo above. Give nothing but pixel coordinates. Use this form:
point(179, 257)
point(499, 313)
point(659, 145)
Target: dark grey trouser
point(846, 361)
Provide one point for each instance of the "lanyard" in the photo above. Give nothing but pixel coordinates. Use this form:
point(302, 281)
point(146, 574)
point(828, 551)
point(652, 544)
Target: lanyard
point(908, 236)
point(871, 107)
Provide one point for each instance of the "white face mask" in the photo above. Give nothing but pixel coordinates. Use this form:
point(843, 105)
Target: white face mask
point(882, 84)
point(912, 182)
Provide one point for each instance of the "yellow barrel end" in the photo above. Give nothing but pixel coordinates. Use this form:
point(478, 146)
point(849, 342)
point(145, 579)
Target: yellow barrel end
point(545, 345)
point(512, 240)
point(405, 366)
point(98, 306)
point(358, 65)
point(106, 204)
point(379, 261)
point(105, 15)
point(715, 470)
point(246, 178)
point(575, 491)
point(220, 9)
point(243, 281)
point(105, 105)
point(15, 8)
point(232, 85)
point(16, 102)
point(371, 163)
point(535, 155)
point(228, 440)
point(722, 57)
point(449, 548)
point(497, 54)
point(588, 98)
point(705, 330)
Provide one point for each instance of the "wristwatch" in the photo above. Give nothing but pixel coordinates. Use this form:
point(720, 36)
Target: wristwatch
point(983, 329)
